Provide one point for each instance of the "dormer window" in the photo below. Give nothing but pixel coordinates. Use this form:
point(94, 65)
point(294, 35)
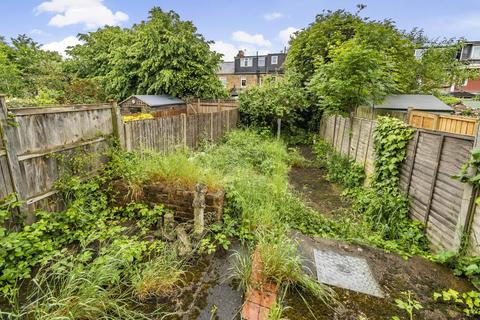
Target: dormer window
point(246, 62)
point(261, 61)
point(475, 53)
point(274, 60)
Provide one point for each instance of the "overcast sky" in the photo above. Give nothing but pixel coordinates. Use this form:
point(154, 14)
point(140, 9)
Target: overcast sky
point(260, 25)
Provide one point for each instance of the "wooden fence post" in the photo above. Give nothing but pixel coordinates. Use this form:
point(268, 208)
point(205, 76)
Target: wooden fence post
point(184, 128)
point(467, 208)
point(211, 126)
point(11, 140)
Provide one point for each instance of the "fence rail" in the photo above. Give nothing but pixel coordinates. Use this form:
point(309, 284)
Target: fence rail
point(444, 204)
point(34, 140)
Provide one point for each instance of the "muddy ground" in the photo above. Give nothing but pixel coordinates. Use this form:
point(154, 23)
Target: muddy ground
point(393, 273)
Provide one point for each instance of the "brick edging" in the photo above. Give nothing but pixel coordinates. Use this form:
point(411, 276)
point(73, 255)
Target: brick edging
point(262, 294)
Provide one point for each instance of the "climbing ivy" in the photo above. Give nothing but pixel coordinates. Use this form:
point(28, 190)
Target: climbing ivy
point(390, 145)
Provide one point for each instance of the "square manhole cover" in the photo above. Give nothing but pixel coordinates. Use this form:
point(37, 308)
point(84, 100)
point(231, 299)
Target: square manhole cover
point(346, 272)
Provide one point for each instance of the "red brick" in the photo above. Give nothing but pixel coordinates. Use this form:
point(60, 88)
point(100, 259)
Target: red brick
point(268, 299)
point(263, 314)
point(250, 311)
point(254, 296)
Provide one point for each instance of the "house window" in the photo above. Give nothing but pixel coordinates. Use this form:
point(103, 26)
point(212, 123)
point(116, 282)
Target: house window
point(246, 62)
point(274, 59)
point(419, 53)
point(243, 82)
point(476, 52)
point(261, 61)
point(223, 80)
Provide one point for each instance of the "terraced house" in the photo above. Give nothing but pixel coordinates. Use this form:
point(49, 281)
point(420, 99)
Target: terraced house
point(246, 71)
point(471, 53)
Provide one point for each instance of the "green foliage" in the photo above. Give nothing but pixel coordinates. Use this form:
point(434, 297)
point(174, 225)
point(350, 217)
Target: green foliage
point(450, 100)
point(469, 302)
point(162, 55)
point(261, 106)
point(391, 139)
point(281, 263)
point(340, 169)
point(178, 168)
point(160, 275)
point(461, 263)
point(347, 61)
point(379, 215)
point(315, 42)
point(255, 168)
point(409, 304)
point(354, 76)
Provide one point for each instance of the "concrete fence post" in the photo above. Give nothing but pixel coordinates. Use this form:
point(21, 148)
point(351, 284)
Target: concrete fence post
point(198, 209)
point(183, 116)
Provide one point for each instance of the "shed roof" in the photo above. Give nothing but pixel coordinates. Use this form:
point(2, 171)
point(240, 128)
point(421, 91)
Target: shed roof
point(424, 102)
point(227, 67)
point(157, 100)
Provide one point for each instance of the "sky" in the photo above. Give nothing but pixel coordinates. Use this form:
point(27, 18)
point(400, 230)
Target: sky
point(255, 26)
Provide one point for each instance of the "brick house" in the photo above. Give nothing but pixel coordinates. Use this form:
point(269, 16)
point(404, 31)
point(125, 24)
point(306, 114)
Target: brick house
point(470, 53)
point(246, 71)
point(158, 105)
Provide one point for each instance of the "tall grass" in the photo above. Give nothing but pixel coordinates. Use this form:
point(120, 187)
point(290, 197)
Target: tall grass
point(255, 168)
point(159, 276)
point(177, 168)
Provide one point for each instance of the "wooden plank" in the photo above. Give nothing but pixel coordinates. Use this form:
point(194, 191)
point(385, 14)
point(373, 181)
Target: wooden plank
point(26, 111)
point(10, 141)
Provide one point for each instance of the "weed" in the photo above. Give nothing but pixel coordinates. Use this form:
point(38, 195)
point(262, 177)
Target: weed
point(409, 305)
point(468, 301)
point(241, 269)
point(159, 276)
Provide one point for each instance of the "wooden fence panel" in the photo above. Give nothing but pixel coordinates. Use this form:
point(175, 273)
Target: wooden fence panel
point(446, 200)
point(445, 123)
point(344, 149)
point(426, 178)
point(167, 133)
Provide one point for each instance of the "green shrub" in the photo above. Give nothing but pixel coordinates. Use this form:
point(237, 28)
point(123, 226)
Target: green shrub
point(340, 169)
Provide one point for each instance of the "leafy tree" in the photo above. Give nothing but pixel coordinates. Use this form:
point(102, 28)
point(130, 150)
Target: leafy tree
point(161, 55)
point(315, 42)
point(39, 69)
point(346, 61)
point(355, 76)
point(438, 67)
point(10, 77)
point(263, 105)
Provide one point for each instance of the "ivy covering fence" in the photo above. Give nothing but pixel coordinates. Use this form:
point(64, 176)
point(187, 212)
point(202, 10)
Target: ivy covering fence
point(424, 172)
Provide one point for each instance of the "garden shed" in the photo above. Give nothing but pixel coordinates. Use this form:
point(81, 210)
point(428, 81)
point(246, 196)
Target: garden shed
point(157, 105)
